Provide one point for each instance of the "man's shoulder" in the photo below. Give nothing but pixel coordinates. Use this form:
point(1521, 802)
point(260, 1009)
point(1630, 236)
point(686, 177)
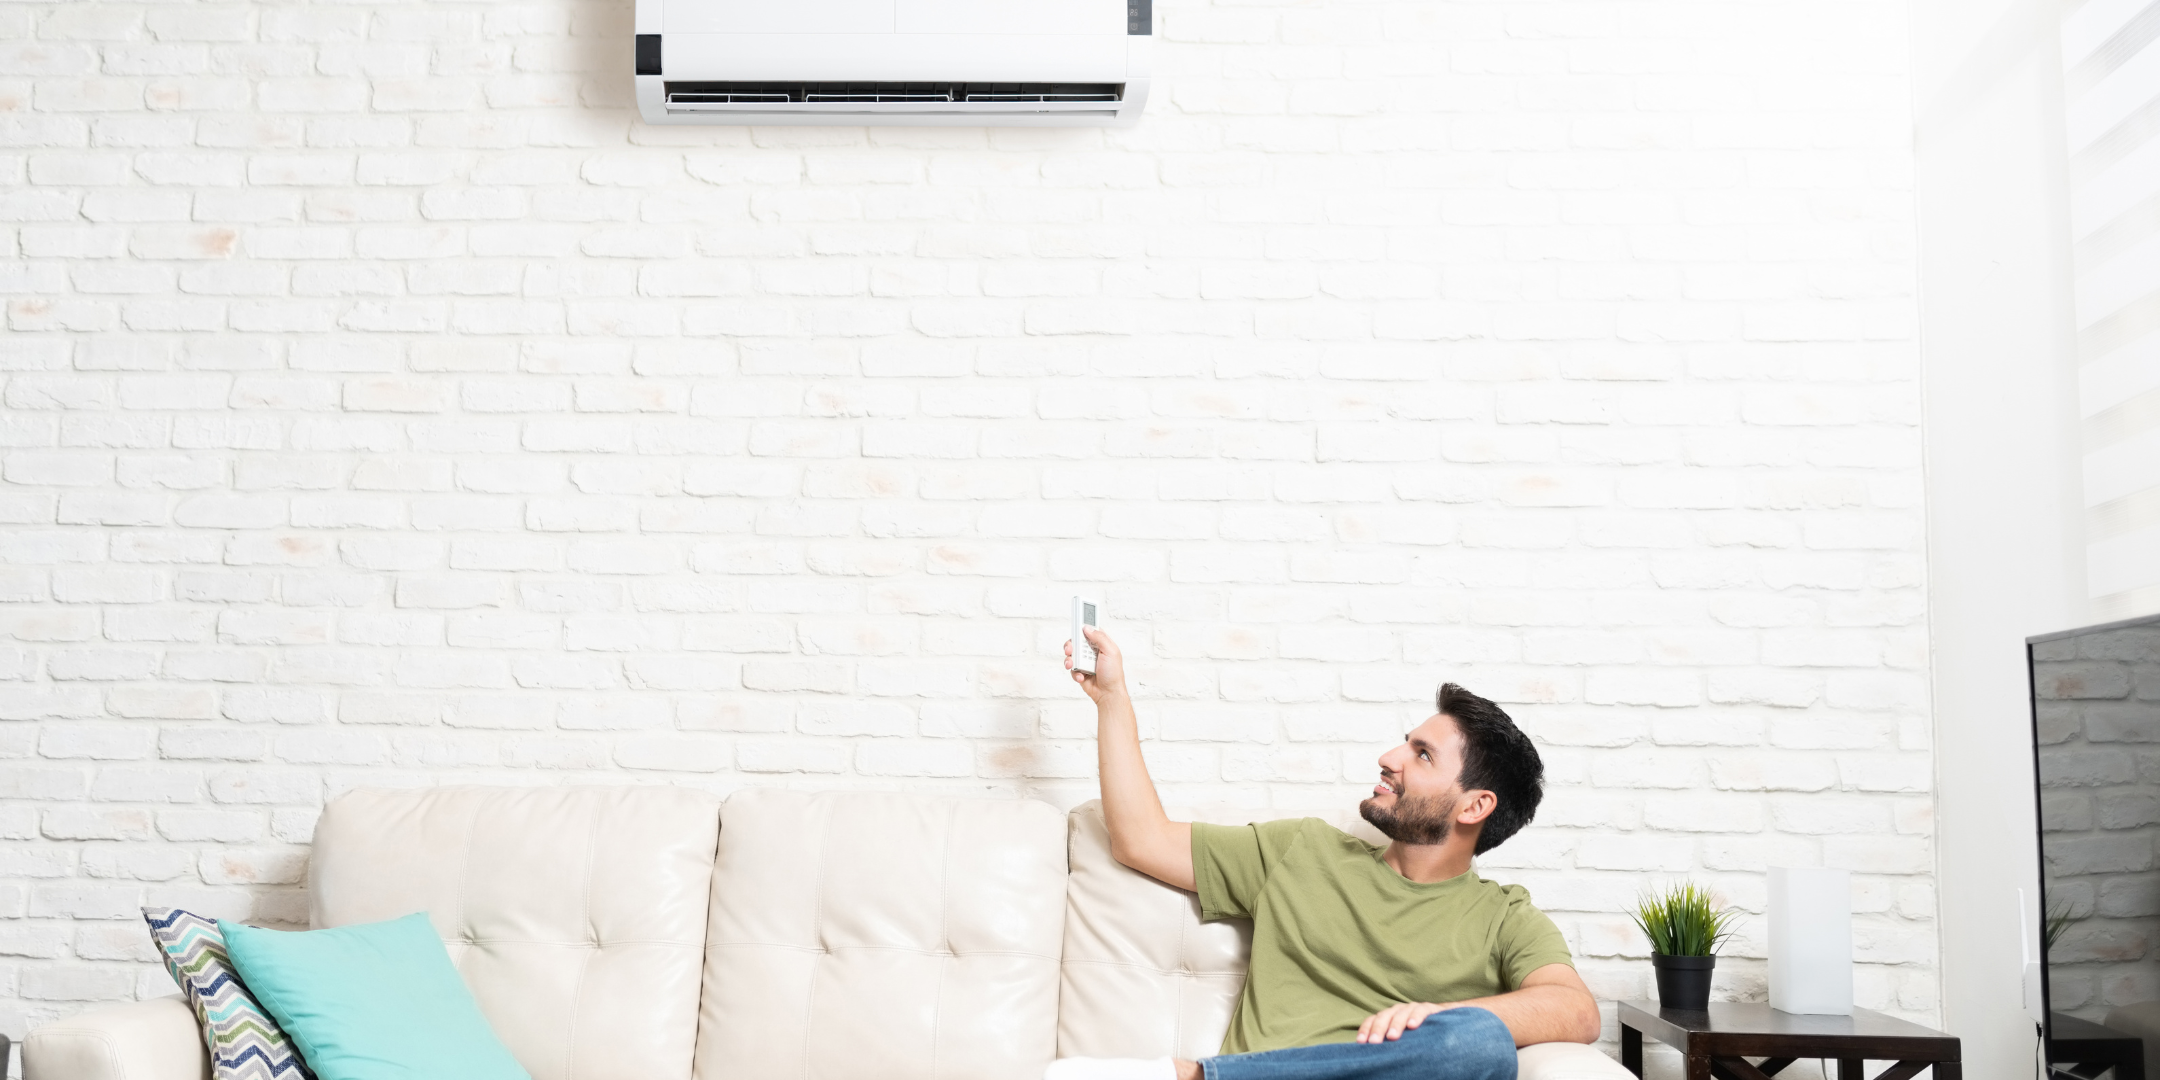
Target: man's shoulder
point(1513, 900)
point(1290, 826)
point(1273, 834)
point(1515, 893)
point(1314, 829)
point(1307, 838)
point(1528, 937)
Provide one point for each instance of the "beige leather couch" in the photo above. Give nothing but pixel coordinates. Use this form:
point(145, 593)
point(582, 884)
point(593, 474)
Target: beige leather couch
point(654, 933)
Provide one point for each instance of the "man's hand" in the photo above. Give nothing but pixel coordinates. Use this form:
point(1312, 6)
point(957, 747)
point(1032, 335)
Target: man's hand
point(1108, 682)
point(1389, 1023)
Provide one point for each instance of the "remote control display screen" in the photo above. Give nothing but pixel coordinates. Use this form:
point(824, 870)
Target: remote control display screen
point(1087, 614)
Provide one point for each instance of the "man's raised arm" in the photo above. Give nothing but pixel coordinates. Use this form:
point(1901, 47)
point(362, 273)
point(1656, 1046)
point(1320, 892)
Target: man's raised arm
point(1141, 835)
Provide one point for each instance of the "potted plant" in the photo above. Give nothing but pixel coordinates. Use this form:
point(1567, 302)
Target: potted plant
point(1686, 927)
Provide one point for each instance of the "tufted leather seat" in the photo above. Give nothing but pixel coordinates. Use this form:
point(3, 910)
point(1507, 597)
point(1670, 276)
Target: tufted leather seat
point(577, 915)
point(625, 934)
point(894, 936)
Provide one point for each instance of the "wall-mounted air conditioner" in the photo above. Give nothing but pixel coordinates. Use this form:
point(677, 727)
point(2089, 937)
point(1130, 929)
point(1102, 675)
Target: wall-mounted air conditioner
point(981, 63)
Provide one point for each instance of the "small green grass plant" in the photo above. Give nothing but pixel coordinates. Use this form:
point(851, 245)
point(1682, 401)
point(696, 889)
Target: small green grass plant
point(1684, 920)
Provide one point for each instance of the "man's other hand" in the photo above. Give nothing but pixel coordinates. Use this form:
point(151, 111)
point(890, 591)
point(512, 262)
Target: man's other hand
point(1109, 678)
point(1389, 1023)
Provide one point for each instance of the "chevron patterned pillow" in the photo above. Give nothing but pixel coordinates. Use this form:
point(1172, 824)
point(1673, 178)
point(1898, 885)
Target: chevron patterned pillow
point(245, 1044)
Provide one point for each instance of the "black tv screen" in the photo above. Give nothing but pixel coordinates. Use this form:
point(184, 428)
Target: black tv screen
point(2096, 740)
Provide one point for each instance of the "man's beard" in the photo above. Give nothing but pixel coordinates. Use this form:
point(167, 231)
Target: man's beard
point(1411, 820)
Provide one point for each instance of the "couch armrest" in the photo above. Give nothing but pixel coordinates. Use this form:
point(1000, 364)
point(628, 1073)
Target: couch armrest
point(156, 1039)
point(1567, 1061)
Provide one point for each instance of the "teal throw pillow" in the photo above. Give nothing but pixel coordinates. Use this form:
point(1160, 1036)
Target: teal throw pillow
point(374, 1002)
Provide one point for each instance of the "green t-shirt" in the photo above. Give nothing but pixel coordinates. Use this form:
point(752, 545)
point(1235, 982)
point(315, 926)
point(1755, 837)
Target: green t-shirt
point(1338, 935)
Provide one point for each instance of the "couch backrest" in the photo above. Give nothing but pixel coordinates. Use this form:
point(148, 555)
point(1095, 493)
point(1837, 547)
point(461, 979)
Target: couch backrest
point(1142, 976)
point(895, 937)
point(576, 915)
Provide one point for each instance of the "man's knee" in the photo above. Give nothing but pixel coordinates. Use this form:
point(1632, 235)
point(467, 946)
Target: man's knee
point(1469, 1044)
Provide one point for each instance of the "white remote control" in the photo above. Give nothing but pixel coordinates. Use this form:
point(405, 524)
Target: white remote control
point(1086, 611)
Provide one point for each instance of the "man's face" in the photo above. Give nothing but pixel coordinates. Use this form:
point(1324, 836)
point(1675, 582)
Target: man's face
point(1420, 784)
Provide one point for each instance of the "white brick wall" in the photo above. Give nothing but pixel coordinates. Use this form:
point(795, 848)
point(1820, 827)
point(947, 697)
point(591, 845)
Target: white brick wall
point(383, 405)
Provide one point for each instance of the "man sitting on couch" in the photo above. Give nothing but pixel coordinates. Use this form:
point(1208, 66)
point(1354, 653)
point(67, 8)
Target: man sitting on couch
point(1367, 963)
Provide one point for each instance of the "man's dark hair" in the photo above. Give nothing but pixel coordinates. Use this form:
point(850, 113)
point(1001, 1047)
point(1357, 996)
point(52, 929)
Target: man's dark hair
point(1497, 757)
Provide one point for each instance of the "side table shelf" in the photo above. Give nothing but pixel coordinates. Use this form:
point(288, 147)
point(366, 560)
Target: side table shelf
point(1717, 1043)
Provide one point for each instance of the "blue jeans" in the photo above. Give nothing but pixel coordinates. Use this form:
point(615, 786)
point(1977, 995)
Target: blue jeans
point(1459, 1044)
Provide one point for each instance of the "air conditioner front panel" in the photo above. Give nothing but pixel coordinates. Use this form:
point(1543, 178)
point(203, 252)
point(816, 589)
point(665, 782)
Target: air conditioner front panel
point(895, 57)
point(1082, 17)
point(796, 17)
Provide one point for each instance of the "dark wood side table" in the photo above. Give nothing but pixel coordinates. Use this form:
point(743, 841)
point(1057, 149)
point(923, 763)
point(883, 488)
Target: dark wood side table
point(1717, 1043)
point(2086, 1049)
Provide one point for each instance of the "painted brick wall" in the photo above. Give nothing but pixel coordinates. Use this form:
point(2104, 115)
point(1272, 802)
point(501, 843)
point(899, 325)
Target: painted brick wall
point(384, 405)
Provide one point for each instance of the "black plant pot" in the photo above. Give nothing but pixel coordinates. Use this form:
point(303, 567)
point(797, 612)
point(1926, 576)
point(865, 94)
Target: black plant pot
point(1683, 982)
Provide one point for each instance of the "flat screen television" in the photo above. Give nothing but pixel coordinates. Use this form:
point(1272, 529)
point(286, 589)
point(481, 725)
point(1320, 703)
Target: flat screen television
point(2096, 749)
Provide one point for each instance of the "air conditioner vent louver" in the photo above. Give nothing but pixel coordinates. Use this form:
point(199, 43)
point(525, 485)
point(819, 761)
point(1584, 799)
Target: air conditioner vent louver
point(681, 94)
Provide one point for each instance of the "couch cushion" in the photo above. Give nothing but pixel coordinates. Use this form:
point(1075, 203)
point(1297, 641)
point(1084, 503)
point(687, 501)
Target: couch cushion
point(1142, 975)
point(889, 936)
point(1567, 1061)
point(576, 915)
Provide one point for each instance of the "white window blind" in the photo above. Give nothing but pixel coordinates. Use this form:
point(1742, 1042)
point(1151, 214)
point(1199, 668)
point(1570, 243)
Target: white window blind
point(2111, 72)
